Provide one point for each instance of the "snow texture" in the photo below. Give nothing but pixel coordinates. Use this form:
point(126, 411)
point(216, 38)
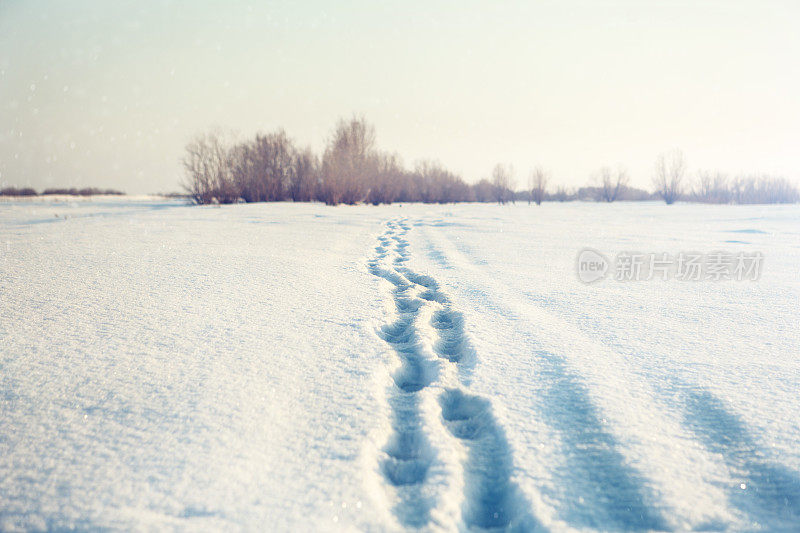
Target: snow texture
point(302, 367)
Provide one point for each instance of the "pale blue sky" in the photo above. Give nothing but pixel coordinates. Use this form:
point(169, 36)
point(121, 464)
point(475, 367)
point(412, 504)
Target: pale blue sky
point(107, 93)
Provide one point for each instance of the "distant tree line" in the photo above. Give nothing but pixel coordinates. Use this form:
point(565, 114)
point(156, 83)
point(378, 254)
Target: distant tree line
point(670, 180)
point(720, 189)
point(351, 170)
point(670, 184)
point(86, 191)
point(22, 191)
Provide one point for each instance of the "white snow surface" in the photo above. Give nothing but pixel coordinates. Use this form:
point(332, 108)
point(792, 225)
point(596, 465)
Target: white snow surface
point(301, 367)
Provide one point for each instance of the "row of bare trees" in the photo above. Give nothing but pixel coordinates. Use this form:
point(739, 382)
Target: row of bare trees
point(61, 191)
point(671, 184)
point(352, 169)
point(717, 188)
point(267, 168)
point(720, 189)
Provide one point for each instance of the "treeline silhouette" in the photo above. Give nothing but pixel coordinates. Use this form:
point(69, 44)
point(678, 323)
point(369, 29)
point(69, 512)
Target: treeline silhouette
point(353, 170)
point(86, 191)
point(720, 189)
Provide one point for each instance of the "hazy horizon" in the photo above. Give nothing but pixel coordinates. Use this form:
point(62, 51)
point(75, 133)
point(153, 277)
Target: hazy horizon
point(107, 95)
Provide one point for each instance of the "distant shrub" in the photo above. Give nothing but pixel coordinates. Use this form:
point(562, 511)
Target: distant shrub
point(537, 185)
point(14, 191)
point(561, 195)
point(718, 189)
point(711, 189)
point(669, 174)
point(625, 194)
point(86, 191)
point(632, 194)
point(483, 191)
point(763, 190)
point(349, 164)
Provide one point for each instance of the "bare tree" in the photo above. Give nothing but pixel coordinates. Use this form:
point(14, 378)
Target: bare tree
point(711, 189)
point(612, 183)
point(669, 173)
point(502, 182)
point(349, 161)
point(386, 185)
point(563, 195)
point(303, 184)
point(263, 168)
point(483, 191)
point(537, 185)
point(763, 190)
point(208, 170)
point(433, 183)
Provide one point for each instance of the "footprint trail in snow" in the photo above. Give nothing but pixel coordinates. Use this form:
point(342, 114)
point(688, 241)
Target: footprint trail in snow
point(490, 498)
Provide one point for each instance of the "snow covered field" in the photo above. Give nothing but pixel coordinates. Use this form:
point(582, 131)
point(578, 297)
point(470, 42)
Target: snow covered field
point(301, 367)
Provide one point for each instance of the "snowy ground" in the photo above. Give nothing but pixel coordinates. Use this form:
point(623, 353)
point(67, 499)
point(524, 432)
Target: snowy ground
point(301, 367)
